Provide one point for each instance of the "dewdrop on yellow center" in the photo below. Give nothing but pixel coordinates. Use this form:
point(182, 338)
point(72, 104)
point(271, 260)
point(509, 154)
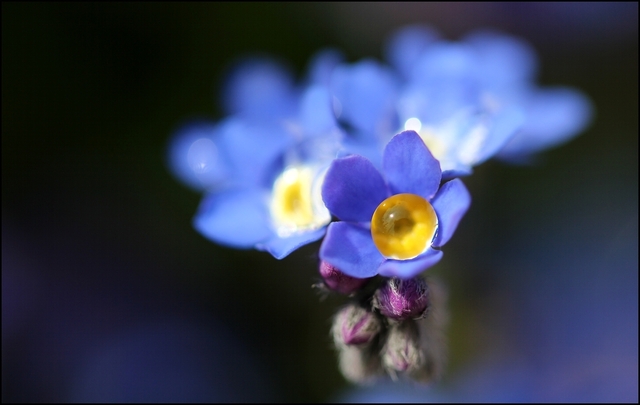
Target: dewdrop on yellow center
point(296, 203)
point(403, 226)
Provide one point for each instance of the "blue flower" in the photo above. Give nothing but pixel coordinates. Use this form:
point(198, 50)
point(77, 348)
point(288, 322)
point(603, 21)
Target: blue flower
point(476, 99)
point(262, 167)
point(392, 225)
point(469, 100)
point(258, 94)
point(278, 206)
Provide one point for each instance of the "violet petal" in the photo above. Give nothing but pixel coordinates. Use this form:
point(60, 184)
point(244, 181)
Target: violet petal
point(409, 166)
point(350, 248)
point(405, 269)
point(451, 203)
point(353, 189)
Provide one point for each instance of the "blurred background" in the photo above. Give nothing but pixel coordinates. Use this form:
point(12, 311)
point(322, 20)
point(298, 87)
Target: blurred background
point(109, 294)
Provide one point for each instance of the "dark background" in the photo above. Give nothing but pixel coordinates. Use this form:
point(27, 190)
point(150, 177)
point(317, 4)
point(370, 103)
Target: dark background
point(108, 294)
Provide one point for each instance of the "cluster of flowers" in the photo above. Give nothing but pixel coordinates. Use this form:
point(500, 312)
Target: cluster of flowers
point(379, 147)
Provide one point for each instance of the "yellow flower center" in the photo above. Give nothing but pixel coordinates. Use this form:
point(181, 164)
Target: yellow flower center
point(296, 203)
point(403, 226)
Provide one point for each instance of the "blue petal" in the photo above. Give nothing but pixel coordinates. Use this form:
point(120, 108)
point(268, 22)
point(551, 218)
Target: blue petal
point(316, 111)
point(451, 203)
point(409, 166)
point(236, 218)
point(461, 171)
point(366, 92)
point(502, 59)
point(363, 145)
point(281, 247)
point(259, 88)
point(322, 65)
point(194, 158)
point(252, 150)
point(407, 44)
point(444, 61)
point(353, 189)
point(502, 128)
point(437, 101)
point(406, 269)
point(553, 116)
point(350, 248)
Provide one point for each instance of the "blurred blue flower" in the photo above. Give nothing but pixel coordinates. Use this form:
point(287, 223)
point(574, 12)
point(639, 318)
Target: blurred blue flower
point(258, 94)
point(485, 84)
point(392, 225)
point(277, 208)
point(263, 166)
point(468, 100)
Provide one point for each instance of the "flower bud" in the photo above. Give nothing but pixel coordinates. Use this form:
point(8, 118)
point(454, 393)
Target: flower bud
point(432, 336)
point(359, 364)
point(402, 351)
point(354, 325)
point(402, 299)
point(336, 280)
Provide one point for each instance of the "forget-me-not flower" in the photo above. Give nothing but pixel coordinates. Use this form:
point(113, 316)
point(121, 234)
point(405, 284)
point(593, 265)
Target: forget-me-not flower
point(262, 166)
point(469, 100)
point(258, 94)
point(393, 223)
point(282, 209)
point(474, 99)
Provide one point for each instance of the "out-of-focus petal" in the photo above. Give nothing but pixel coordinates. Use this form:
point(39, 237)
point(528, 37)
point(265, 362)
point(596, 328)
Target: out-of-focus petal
point(194, 158)
point(350, 249)
point(484, 141)
point(450, 203)
point(436, 100)
point(553, 116)
point(502, 59)
point(281, 247)
point(366, 92)
point(353, 189)
point(322, 65)
point(252, 150)
point(409, 166)
point(406, 269)
point(360, 144)
point(316, 111)
point(405, 46)
point(460, 171)
point(236, 218)
point(258, 88)
point(444, 61)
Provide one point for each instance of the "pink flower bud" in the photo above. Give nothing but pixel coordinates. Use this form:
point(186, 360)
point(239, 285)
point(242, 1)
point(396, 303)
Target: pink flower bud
point(402, 351)
point(402, 299)
point(360, 365)
point(336, 280)
point(354, 325)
